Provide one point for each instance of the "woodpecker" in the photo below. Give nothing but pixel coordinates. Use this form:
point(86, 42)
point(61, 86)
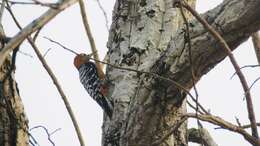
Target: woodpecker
point(91, 78)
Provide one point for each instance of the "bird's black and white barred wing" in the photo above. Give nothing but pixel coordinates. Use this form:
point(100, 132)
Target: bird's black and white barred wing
point(89, 78)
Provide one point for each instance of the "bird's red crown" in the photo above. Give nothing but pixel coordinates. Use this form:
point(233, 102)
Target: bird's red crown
point(80, 59)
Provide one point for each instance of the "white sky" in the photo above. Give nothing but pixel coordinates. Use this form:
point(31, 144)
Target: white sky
point(43, 105)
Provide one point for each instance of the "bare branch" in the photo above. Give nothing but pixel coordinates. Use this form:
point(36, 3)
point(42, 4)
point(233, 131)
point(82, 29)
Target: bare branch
point(55, 81)
point(33, 26)
point(37, 34)
point(248, 126)
point(35, 2)
point(225, 125)
point(25, 54)
point(243, 67)
point(193, 107)
point(32, 140)
point(64, 47)
point(243, 81)
point(256, 42)
point(91, 39)
point(194, 80)
point(2, 11)
point(49, 134)
point(44, 55)
point(104, 13)
point(254, 83)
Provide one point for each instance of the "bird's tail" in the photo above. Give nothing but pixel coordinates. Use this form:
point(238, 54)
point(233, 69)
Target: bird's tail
point(106, 105)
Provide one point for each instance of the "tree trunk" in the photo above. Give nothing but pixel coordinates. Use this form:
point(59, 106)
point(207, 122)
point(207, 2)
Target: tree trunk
point(140, 32)
point(149, 36)
point(13, 121)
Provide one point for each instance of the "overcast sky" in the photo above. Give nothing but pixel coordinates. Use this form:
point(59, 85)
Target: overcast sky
point(43, 105)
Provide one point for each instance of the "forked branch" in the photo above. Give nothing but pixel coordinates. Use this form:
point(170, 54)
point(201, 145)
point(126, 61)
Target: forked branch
point(227, 49)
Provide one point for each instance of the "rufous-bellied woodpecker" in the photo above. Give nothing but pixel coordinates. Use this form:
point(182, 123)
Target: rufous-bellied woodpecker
point(92, 80)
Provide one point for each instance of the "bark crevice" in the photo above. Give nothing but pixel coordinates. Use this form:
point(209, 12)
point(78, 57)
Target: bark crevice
point(145, 106)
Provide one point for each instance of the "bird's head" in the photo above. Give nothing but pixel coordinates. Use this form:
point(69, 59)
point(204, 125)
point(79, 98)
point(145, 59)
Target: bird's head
point(81, 59)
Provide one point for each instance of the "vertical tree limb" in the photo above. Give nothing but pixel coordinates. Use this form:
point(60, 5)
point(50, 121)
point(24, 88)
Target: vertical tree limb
point(13, 120)
point(256, 42)
point(2, 11)
point(91, 38)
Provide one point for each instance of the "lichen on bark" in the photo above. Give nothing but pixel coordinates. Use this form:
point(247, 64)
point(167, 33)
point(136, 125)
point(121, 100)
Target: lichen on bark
point(13, 121)
point(140, 32)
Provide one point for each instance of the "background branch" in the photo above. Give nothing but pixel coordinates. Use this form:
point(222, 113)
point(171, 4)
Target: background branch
point(225, 125)
point(2, 11)
point(241, 76)
point(35, 2)
point(91, 39)
point(55, 81)
point(33, 26)
point(49, 134)
point(104, 13)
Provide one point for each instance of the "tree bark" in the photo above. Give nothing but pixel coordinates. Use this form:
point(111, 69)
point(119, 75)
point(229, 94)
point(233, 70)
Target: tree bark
point(13, 121)
point(149, 36)
point(256, 42)
point(201, 136)
point(139, 33)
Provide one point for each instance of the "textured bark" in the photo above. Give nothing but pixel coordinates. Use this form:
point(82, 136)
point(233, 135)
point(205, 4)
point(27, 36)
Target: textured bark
point(13, 121)
point(149, 36)
point(141, 30)
point(201, 136)
point(256, 42)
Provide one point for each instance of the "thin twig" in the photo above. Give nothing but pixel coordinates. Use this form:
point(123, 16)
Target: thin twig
point(64, 47)
point(257, 79)
point(238, 122)
point(33, 141)
point(225, 125)
point(37, 34)
point(248, 126)
point(223, 43)
point(32, 27)
point(49, 134)
point(44, 55)
point(137, 71)
point(35, 2)
point(64, 97)
point(193, 107)
point(179, 86)
point(91, 39)
point(243, 67)
point(55, 81)
point(104, 13)
point(25, 54)
point(173, 129)
point(188, 39)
